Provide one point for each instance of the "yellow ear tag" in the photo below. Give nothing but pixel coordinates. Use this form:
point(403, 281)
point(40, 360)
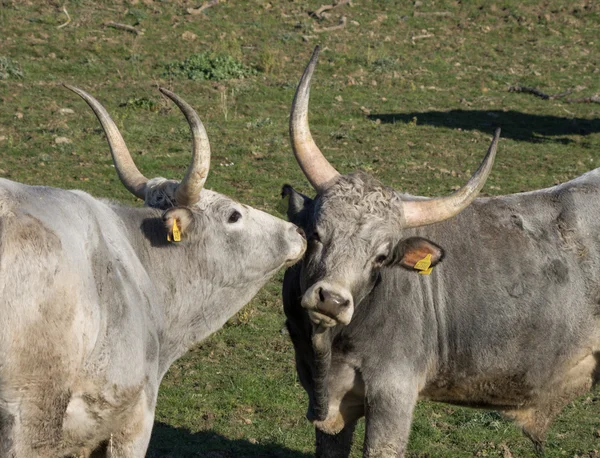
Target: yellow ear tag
point(176, 232)
point(424, 265)
point(426, 271)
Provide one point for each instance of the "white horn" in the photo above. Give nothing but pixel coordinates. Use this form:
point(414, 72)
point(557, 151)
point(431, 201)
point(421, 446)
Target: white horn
point(188, 191)
point(317, 169)
point(423, 212)
point(128, 173)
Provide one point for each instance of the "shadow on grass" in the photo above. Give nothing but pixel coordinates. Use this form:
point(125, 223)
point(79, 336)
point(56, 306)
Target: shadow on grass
point(515, 125)
point(170, 442)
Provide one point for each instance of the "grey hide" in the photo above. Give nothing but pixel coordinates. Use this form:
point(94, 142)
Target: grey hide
point(95, 304)
point(508, 320)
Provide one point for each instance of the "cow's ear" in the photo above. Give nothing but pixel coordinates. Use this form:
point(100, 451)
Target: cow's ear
point(415, 252)
point(298, 205)
point(178, 223)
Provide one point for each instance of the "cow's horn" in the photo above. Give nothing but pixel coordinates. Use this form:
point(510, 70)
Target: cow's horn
point(188, 191)
point(130, 176)
point(423, 212)
point(317, 169)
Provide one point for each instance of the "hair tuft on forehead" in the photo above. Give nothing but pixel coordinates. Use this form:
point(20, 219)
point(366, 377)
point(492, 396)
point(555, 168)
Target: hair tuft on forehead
point(359, 195)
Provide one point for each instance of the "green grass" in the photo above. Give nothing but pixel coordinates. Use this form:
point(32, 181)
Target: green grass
point(9, 69)
point(207, 66)
point(412, 98)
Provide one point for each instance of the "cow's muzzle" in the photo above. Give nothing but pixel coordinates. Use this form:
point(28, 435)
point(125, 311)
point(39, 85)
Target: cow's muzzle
point(328, 304)
point(298, 245)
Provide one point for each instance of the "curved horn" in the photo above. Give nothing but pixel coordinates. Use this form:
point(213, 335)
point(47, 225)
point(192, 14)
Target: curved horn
point(423, 212)
point(312, 162)
point(188, 191)
point(129, 174)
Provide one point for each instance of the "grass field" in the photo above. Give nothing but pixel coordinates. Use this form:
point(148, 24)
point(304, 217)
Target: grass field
point(409, 91)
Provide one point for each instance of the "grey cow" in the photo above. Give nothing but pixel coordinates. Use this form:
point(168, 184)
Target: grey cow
point(96, 303)
point(510, 320)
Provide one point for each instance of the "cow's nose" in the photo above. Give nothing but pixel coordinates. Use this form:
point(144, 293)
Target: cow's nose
point(330, 302)
point(301, 232)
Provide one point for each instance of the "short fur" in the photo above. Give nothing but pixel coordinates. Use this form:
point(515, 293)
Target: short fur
point(95, 304)
point(510, 320)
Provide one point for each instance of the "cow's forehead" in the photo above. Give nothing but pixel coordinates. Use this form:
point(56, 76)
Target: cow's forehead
point(214, 199)
point(160, 193)
point(358, 200)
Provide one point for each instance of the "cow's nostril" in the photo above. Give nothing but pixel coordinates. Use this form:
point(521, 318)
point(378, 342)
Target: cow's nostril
point(300, 231)
point(321, 296)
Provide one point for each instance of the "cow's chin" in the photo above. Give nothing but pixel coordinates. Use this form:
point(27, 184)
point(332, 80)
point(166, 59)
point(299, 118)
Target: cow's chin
point(319, 319)
point(293, 261)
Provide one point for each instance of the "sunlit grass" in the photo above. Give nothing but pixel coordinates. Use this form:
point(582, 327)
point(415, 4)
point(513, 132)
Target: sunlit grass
point(410, 96)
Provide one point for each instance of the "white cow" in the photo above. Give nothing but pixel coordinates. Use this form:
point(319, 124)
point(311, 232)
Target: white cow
point(96, 302)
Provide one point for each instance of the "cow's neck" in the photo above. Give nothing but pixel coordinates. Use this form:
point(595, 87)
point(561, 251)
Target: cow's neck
point(197, 295)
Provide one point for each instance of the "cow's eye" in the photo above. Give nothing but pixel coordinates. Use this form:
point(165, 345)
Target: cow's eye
point(380, 259)
point(234, 217)
point(315, 237)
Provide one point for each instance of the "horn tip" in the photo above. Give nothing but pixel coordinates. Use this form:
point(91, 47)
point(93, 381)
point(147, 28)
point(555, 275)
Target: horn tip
point(497, 132)
point(171, 95)
point(315, 54)
point(80, 92)
point(71, 87)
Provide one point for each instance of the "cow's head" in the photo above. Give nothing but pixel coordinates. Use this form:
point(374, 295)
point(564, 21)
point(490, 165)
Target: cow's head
point(355, 223)
point(219, 230)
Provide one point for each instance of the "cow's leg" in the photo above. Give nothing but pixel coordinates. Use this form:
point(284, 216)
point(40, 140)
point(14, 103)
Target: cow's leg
point(34, 429)
point(335, 445)
point(7, 422)
point(390, 405)
point(124, 445)
point(535, 420)
point(133, 441)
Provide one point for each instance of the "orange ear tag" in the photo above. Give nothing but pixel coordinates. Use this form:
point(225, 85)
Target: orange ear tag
point(177, 234)
point(424, 265)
